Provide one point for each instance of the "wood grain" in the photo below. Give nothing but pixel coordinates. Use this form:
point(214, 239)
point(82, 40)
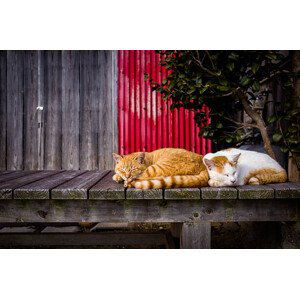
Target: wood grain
point(195, 235)
point(82, 210)
point(89, 117)
point(41, 188)
point(31, 102)
point(53, 111)
point(107, 189)
point(3, 113)
point(15, 104)
point(70, 110)
point(78, 187)
point(7, 187)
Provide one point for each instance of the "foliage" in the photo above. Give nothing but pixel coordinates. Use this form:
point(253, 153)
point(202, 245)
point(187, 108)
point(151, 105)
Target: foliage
point(229, 82)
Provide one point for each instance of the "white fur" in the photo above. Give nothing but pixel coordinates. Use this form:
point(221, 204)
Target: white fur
point(247, 162)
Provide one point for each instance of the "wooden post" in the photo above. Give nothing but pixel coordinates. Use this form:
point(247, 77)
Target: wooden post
point(195, 235)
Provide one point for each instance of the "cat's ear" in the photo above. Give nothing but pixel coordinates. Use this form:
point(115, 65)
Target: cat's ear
point(209, 163)
point(141, 157)
point(117, 157)
point(235, 158)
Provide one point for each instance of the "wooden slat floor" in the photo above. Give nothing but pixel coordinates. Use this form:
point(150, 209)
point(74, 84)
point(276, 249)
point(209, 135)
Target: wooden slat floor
point(99, 185)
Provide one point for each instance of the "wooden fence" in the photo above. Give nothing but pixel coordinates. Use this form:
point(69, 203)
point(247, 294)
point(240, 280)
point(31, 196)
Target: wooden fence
point(57, 109)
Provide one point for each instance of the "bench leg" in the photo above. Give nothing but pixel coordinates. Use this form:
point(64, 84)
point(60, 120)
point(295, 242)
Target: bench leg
point(195, 235)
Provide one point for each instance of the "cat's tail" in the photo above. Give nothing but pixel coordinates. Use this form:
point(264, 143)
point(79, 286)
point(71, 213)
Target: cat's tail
point(176, 181)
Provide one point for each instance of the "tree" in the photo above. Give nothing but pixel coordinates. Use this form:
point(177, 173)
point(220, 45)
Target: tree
point(228, 82)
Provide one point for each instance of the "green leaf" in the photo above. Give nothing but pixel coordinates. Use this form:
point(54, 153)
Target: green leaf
point(245, 81)
point(256, 86)
point(219, 125)
point(254, 67)
point(277, 137)
point(146, 77)
point(284, 149)
point(228, 139)
point(230, 66)
point(164, 81)
point(272, 119)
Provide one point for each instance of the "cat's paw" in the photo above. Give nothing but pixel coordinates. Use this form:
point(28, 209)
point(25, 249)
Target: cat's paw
point(117, 178)
point(253, 181)
point(214, 183)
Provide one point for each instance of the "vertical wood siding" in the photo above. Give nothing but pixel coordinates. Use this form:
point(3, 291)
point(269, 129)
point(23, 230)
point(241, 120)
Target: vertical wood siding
point(145, 121)
point(76, 126)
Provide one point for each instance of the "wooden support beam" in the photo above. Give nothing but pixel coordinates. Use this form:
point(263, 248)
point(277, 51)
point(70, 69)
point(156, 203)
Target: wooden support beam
point(195, 235)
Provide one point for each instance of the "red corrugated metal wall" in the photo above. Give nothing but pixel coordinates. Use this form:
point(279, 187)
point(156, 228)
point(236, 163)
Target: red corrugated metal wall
point(145, 121)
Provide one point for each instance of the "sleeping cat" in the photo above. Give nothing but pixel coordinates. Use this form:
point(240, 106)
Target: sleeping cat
point(163, 168)
point(235, 167)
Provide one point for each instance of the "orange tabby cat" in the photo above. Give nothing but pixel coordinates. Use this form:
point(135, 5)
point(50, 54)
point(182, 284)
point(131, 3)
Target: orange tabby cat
point(163, 168)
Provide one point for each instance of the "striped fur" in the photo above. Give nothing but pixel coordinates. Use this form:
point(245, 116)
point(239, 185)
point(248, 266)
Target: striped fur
point(177, 181)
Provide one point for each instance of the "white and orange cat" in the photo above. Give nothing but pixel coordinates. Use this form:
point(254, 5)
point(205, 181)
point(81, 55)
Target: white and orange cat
point(236, 167)
point(163, 168)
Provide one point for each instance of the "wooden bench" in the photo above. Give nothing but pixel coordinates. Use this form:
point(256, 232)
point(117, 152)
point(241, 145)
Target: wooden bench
point(92, 196)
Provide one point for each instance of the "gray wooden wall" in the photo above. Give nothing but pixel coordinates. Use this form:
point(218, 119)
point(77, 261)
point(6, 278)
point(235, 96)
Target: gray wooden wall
point(76, 124)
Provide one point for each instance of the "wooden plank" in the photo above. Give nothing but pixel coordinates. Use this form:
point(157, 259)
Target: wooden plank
point(37, 210)
point(254, 192)
point(218, 193)
point(107, 189)
point(114, 100)
point(195, 235)
point(3, 114)
point(182, 193)
point(70, 110)
point(41, 188)
point(31, 92)
point(41, 110)
point(15, 103)
point(108, 118)
point(14, 175)
point(53, 110)
point(89, 117)
point(138, 194)
point(286, 190)
point(78, 187)
point(83, 240)
point(6, 188)
point(294, 190)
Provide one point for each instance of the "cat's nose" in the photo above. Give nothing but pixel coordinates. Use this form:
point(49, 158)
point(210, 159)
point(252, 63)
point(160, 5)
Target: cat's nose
point(233, 181)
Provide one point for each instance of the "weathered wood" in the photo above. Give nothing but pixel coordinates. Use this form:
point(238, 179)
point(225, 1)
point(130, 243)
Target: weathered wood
point(31, 93)
point(195, 235)
point(41, 188)
point(114, 100)
point(41, 110)
point(218, 193)
point(53, 110)
point(78, 187)
point(138, 194)
point(83, 240)
point(3, 114)
point(6, 188)
point(182, 193)
point(82, 210)
point(107, 189)
point(62, 108)
point(286, 190)
point(15, 104)
point(254, 191)
point(107, 109)
point(17, 229)
point(14, 175)
point(89, 117)
point(70, 110)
